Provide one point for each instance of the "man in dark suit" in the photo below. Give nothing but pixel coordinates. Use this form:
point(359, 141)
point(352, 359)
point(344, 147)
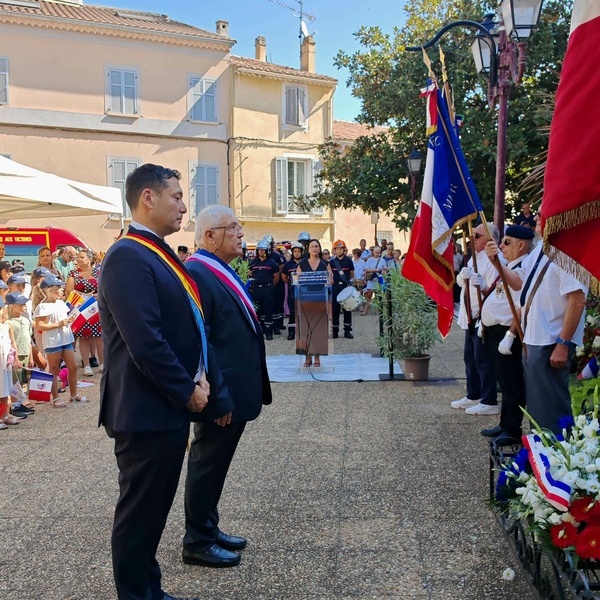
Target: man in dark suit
point(154, 374)
point(235, 335)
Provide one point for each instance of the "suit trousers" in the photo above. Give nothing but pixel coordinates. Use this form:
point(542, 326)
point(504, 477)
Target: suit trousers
point(278, 300)
point(508, 370)
point(149, 469)
point(291, 302)
point(548, 398)
point(481, 383)
point(210, 455)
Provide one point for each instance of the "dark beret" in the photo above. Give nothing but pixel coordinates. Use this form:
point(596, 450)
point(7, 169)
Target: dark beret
point(520, 232)
point(182, 248)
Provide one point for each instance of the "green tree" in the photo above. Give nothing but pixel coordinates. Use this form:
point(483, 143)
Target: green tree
point(387, 79)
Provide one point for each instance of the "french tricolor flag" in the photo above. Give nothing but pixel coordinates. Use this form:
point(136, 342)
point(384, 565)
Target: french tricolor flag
point(40, 386)
point(87, 313)
point(557, 493)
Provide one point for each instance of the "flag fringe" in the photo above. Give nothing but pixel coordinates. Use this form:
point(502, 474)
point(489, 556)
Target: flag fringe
point(568, 220)
point(447, 286)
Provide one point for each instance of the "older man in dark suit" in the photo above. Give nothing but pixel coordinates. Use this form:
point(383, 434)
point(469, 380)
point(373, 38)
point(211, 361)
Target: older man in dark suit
point(235, 334)
point(154, 379)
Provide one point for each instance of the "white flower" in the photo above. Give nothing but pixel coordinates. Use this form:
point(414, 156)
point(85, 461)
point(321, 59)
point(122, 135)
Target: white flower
point(554, 518)
point(571, 477)
point(592, 320)
point(508, 574)
point(579, 351)
point(596, 343)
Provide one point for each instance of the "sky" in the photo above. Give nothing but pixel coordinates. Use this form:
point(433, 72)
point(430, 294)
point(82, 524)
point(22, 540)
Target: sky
point(335, 23)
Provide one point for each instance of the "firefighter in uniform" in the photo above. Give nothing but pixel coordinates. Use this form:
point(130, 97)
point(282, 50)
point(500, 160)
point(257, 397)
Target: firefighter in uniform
point(343, 272)
point(278, 289)
point(304, 238)
point(265, 274)
point(287, 274)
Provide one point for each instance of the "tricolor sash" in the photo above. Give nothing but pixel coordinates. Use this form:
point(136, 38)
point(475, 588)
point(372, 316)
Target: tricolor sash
point(226, 275)
point(188, 284)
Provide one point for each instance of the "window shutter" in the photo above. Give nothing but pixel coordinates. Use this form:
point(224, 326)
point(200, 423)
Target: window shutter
point(3, 80)
point(316, 185)
point(281, 196)
point(291, 106)
point(302, 109)
point(210, 105)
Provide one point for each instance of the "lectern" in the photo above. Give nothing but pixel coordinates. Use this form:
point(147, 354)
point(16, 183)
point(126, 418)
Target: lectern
point(313, 309)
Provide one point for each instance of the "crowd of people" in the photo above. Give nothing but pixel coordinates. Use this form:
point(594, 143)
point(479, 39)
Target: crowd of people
point(35, 330)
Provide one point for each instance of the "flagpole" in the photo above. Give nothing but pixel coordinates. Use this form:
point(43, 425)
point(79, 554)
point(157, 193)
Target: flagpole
point(467, 296)
point(498, 266)
point(474, 257)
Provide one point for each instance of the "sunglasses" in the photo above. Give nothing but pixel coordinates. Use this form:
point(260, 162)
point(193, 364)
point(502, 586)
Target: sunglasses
point(478, 235)
point(506, 242)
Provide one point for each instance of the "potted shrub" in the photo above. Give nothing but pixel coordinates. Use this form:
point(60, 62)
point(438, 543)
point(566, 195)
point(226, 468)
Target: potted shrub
point(410, 327)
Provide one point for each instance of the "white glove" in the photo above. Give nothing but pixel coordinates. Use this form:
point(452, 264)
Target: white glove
point(477, 279)
point(465, 272)
point(506, 344)
point(479, 329)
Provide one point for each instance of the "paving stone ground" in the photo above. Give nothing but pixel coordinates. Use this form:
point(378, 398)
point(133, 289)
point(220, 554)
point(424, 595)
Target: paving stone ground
point(344, 490)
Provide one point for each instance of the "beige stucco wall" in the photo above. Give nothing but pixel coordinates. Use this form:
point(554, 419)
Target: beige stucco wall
point(68, 154)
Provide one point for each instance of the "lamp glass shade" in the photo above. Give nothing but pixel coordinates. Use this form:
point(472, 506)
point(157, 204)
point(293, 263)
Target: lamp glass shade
point(414, 162)
point(521, 17)
point(481, 55)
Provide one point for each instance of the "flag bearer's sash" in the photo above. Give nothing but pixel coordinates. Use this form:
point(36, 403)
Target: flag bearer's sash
point(189, 285)
point(226, 275)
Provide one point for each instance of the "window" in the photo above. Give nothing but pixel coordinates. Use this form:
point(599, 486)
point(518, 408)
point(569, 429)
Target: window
point(3, 80)
point(294, 177)
point(203, 100)
point(122, 92)
point(118, 169)
point(205, 186)
point(295, 105)
point(385, 235)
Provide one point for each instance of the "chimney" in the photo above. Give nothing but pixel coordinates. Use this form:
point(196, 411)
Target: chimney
point(223, 28)
point(260, 48)
point(307, 55)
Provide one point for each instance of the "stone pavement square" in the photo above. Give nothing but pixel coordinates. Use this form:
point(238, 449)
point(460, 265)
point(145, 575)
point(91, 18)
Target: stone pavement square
point(345, 490)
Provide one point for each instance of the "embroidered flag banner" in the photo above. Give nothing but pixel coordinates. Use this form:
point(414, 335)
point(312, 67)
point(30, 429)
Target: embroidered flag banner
point(40, 386)
point(571, 204)
point(448, 199)
point(86, 313)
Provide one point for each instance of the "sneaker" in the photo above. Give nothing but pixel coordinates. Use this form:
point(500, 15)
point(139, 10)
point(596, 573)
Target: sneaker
point(88, 371)
point(464, 402)
point(19, 414)
point(93, 361)
point(483, 409)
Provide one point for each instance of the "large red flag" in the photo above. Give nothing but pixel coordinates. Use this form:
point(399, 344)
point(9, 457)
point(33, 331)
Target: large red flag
point(571, 202)
point(448, 198)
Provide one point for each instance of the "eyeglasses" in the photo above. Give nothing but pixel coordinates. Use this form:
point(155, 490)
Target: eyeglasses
point(231, 228)
point(506, 242)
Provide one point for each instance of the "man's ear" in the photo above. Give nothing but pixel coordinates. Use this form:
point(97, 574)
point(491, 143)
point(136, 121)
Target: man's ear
point(147, 198)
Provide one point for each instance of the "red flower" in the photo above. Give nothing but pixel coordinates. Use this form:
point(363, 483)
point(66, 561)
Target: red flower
point(582, 509)
point(563, 535)
point(587, 543)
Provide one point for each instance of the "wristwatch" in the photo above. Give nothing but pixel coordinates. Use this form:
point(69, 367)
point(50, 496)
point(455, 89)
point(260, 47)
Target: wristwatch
point(559, 340)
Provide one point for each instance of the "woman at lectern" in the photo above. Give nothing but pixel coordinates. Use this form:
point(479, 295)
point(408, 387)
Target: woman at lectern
point(313, 319)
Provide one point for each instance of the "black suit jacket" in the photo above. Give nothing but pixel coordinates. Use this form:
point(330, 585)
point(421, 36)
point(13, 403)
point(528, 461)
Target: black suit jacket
point(151, 343)
point(238, 346)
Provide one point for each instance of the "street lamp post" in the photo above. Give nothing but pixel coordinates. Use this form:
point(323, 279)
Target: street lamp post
point(500, 52)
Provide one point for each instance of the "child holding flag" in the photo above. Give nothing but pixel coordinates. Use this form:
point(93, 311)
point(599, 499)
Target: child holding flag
point(53, 320)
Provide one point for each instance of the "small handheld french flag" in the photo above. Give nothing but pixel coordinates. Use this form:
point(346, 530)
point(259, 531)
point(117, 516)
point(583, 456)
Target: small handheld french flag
point(87, 313)
point(40, 386)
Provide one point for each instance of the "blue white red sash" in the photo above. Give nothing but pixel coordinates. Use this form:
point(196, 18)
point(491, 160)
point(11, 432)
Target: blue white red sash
point(226, 275)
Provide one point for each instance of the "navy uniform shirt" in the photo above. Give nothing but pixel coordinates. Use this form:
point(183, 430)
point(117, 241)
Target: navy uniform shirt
point(347, 266)
point(263, 270)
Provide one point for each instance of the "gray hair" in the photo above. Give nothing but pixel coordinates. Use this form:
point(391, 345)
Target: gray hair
point(494, 232)
point(208, 218)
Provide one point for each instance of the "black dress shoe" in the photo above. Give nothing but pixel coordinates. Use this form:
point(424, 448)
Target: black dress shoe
point(230, 542)
point(348, 335)
point(269, 336)
point(492, 431)
point(335, 335)
point(215, 556)
point(506, 440)
point(169, 597)
point(276, 331)
point(93, 362)
point(291, 334)
point(282, 327)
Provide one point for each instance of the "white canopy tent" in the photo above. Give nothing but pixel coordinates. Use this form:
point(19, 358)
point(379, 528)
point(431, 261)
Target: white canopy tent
point(27, 193)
